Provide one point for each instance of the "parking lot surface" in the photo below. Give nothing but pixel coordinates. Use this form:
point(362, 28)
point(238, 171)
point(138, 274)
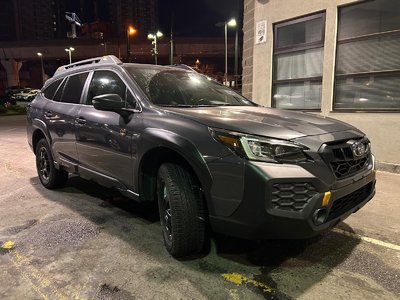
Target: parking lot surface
point(88, 242)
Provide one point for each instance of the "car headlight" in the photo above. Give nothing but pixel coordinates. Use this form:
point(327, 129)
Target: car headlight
point(262, 149)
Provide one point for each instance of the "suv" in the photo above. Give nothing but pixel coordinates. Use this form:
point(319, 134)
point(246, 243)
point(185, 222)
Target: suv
point(206, 154)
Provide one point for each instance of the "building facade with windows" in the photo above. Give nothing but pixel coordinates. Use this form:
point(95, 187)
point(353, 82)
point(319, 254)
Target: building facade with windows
point(337, 58)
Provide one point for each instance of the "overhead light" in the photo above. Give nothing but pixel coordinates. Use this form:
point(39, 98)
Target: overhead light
point(232, 23)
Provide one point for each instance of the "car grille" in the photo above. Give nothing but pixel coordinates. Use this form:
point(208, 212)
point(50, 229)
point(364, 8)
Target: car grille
point(344, 204)
point(347, 168)
point(292, 196)
point(340, 158)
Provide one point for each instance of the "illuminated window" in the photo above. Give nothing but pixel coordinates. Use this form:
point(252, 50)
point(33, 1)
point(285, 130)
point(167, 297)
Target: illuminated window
point(368, 56)
point(298, 60)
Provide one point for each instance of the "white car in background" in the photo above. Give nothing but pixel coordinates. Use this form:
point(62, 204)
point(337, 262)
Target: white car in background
point(28, 95)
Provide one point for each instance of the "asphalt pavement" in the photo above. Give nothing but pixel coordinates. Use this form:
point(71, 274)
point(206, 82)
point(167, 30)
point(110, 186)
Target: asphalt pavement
point(88, 242)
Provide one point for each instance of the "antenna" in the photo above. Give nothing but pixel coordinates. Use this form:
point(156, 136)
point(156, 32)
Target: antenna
point(75, 21)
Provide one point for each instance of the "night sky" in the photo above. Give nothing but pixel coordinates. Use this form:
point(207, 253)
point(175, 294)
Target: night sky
point(191, 18)
point(197, 18)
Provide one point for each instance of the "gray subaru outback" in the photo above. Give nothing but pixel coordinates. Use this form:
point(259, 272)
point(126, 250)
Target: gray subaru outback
point(207, 155)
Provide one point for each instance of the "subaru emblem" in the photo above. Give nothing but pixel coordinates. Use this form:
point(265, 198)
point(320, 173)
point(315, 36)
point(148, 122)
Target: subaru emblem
point(359, 148)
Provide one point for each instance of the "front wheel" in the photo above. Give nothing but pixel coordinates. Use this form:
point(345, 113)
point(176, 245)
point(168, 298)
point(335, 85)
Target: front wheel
point(182, 211)
point(49, 176)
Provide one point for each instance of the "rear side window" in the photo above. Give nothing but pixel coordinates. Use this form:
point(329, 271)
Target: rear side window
point(51, 89)
point(57, 96)
point(73, 88)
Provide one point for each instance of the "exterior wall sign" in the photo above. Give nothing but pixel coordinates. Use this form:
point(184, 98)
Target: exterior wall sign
point(261, 32)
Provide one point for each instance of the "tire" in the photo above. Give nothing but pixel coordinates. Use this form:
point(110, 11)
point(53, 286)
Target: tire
point(49, 176)
point(182, 211)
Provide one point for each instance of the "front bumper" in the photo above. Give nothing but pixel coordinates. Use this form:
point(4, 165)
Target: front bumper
point(283, 201)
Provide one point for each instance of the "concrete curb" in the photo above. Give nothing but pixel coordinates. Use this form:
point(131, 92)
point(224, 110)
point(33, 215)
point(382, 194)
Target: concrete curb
point(388, 167)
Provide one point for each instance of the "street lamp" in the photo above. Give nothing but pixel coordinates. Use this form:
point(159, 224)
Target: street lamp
point(129, 31)
point(69, 50)
point(230, 23)
point(40, 54)
point(154, 37)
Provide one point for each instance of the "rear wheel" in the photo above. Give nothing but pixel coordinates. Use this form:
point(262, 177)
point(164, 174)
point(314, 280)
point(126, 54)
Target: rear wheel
point(49, 176)
point(182, 211)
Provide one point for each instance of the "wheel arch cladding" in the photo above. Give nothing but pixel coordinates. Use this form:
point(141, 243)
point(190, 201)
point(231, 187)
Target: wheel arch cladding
point(40, 131)
point(156, 146)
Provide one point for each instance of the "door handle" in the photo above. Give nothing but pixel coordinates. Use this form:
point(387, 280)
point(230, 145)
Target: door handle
point(48, 114)
point(80, 121)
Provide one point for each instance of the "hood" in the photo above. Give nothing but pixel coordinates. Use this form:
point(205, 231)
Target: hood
point(262, 121)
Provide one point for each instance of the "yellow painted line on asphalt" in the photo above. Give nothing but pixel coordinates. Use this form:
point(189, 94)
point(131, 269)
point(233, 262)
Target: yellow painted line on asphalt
point(42, 285)
point(239, 279)
point(367, 239)
point(8, 245)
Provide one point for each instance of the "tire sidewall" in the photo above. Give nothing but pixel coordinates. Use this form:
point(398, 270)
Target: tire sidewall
point(162, 178)
point(50, 182)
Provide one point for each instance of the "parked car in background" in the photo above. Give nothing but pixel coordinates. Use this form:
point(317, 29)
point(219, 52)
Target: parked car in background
point(27, 95)
point(21, 94)
point(7, 101)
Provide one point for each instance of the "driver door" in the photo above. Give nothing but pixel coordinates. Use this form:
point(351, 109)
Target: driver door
point(104, 138)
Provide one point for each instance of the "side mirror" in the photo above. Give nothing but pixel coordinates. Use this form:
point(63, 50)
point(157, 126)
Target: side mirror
point(108, 102)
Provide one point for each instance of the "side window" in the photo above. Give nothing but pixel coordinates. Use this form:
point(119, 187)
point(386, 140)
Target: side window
point(57, 96)
point(73, 88)
point(51, 89)
point(130, 101)
point(105, 82)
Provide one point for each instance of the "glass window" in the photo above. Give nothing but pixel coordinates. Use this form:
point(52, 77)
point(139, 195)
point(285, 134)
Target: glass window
point(181, 88)
point(51, 89)
point(105, 82)
point(73, 88)
point(57, 96)
point(368, 56)
point(368, 18)
point(298, 63)
point(307, 30)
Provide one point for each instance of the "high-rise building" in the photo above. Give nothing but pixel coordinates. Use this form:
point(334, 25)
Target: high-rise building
point(32, 20)
point(142, 14)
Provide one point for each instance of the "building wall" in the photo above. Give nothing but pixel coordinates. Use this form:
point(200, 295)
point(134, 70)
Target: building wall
point(382, 128)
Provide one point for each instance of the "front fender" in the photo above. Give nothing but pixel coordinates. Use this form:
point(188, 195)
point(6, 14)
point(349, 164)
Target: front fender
point(153, 138)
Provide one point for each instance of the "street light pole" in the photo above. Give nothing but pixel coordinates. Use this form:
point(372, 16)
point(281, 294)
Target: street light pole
point(226, 54)
point(105, 47)
point(236, 53)
point(129, 31)
point(230, 23)
point(69, 50)
point(153, 37)
point(40, 54)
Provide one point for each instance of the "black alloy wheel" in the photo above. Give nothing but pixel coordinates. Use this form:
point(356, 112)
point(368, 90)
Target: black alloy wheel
point(49, 176)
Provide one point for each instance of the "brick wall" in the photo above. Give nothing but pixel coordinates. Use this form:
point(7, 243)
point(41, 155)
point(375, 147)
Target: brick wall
point(248, 46)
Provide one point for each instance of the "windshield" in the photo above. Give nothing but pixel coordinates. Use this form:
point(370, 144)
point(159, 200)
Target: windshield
point(182, 88)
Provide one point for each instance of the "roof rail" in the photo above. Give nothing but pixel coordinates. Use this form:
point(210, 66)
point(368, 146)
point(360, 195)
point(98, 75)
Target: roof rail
point(108, 59)
point(182, 66)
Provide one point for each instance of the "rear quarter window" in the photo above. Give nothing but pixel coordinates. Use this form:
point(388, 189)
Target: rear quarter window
point(51, 89)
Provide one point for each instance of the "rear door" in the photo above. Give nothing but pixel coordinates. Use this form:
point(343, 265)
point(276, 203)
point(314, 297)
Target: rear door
point(60, 115)
point(104, 138)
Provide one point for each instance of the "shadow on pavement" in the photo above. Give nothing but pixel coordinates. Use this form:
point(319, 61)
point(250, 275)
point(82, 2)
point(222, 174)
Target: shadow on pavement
point(289, 267)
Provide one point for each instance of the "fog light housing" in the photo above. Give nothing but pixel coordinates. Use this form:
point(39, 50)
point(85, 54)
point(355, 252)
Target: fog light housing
point(320, 216)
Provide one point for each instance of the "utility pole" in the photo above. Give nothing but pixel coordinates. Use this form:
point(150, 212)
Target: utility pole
point(171, 57)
